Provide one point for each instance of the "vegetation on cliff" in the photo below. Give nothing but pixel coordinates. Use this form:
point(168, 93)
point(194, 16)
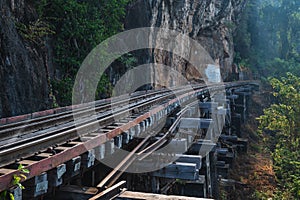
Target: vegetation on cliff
point(268, 43)
point(78, 27)
point(268, 37)
point(281, 123)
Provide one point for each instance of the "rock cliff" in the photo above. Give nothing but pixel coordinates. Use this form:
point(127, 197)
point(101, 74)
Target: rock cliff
point(211, 22)
point(25, 66)
point(23, 76)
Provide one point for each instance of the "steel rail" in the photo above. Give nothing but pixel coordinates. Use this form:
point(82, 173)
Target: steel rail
point(61, 157)
point(71, 127)
point(147, 151)
point(153, 147)
point(43, 142)
point(130, 158)
point(29, 146)
point(70, 130)
point(124, 161)
point(30, 125)
point(36, 135)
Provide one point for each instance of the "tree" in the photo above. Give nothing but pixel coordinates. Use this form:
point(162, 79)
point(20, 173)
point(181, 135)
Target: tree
point(283, 119)
point(269, 30)
point(79, 27)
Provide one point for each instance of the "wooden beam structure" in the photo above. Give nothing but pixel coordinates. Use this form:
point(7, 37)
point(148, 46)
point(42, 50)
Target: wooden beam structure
point(149, 196)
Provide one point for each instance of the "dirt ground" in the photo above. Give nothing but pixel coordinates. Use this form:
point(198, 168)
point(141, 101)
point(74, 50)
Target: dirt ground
point(253, 169)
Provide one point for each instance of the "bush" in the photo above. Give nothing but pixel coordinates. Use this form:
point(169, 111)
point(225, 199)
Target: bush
point(78, 26)
point(283, 119)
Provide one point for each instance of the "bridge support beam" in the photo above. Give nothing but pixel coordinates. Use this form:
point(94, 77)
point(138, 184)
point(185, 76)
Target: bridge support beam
point(56, 175)
point(36, 186)
point(183, 171)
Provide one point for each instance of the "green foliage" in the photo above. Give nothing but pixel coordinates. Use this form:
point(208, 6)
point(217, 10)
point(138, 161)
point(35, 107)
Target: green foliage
point(260, 195)
point(277, 67)
point(35, 31)
point(242, 62)
point(6, 195)
point(283, 119)
point(79, 26)
point(17, 178)
point(268, 36)
point(104, 88)
point(62, 90)
point(16, 181)
point(128, 60)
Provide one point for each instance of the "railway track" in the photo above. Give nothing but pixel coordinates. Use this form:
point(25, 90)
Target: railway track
point(24, 139)
point(20, 145)
point(140, 152)
point(31, 125)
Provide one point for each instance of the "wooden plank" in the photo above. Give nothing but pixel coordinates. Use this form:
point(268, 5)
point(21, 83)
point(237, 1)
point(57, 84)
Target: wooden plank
point(61, 148)
point(27, 162)
point(195, 123)
point(87, 138)
point(176, 146)
point(74, 143)
point(228, 157)
point(232, 138)
point(68, 192)
point(191, 159)
point(6, 171)
point(223, 170)
point(110, 192)
point(232, 97)
point(149, 196)
point(112, 127)
point(201, 147)
point(184, 171)
point(150, 164)
point(222, 151)
point(44, 155)
point(78, 189)
point(208, 105)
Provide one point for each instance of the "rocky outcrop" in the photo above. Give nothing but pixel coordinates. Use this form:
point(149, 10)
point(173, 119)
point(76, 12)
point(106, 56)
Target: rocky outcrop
point(25, 67)
point(23, 76)
point(211, 22)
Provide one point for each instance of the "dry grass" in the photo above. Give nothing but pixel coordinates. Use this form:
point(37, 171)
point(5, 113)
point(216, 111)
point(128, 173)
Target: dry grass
point(254, 169)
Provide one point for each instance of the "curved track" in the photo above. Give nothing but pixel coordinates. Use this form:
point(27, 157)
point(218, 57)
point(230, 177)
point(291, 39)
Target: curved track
point(26, 138)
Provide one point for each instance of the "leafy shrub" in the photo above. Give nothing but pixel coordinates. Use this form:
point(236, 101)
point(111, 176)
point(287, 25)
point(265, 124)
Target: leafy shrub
point(79, 26)
point(283, 119)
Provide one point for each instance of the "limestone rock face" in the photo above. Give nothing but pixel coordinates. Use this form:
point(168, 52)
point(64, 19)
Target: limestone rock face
point(23, 77)
point(26, 68)
point(210, 22)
